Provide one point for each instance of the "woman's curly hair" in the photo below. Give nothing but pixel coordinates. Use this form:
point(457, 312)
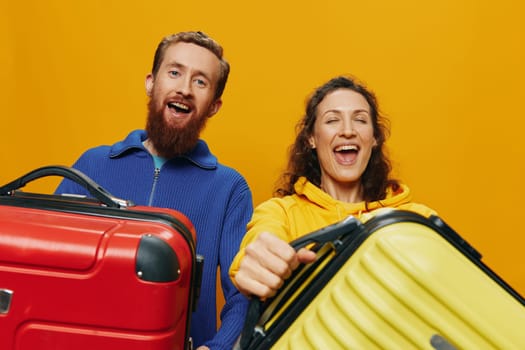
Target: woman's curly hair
point(303, 159)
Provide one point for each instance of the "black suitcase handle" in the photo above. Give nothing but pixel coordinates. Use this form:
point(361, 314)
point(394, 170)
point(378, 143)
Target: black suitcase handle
point(331, 233)
point(72, 174)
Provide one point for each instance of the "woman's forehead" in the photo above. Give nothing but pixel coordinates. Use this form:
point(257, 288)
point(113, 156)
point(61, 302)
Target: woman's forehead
point(341, 100)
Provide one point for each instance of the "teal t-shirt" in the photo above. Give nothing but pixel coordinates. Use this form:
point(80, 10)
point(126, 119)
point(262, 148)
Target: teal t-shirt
point(158, 160)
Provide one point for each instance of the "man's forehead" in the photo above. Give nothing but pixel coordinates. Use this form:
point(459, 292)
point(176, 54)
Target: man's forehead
point(192, 56)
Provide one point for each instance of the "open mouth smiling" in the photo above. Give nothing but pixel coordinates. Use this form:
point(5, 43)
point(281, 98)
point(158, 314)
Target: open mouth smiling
point(347, 149)
point(346, 154)
point(179, 107)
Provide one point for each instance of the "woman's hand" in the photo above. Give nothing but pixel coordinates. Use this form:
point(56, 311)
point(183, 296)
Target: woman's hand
point(267, 262)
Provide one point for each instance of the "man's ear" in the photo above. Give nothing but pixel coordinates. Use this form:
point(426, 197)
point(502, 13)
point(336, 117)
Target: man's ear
point(149, 84)
point(214, 108)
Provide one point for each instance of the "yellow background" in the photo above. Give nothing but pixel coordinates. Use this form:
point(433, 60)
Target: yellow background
point(449, 74)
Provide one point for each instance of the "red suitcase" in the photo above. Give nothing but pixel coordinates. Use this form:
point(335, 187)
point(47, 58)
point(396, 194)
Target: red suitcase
point(93, 274)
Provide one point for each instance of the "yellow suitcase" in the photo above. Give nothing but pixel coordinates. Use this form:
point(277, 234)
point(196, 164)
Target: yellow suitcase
point(397, 280)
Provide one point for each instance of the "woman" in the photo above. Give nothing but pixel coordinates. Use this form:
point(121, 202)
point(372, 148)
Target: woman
point(337, 167)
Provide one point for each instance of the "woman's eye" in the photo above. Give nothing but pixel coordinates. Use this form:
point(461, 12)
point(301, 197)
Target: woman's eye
point(362, 119)
point(330, 118)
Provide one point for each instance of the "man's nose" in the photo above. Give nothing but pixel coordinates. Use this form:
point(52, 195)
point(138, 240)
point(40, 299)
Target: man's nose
point(184, 86)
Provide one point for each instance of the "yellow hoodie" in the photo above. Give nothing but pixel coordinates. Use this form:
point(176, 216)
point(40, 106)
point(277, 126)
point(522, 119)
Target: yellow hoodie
point(310, 209)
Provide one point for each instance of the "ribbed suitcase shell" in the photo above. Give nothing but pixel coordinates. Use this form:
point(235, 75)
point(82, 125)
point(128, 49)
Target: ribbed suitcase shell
point(405, 286)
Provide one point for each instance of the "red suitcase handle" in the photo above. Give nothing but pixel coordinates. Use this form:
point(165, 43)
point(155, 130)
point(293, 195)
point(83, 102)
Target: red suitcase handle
point(72, 174)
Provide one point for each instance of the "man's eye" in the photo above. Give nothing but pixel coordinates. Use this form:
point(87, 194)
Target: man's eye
point(200, 82)
point(173, 73)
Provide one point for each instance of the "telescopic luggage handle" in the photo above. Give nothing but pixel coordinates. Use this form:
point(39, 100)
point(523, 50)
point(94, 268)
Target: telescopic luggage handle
point(72, 174)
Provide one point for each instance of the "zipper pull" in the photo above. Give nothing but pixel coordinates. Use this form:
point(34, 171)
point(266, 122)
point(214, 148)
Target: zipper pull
point(156, 175)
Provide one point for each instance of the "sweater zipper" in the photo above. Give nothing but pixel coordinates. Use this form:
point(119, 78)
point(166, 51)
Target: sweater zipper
point(156, 175)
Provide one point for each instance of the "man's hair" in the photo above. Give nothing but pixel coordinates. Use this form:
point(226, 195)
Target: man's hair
point(303, 159)
point(200, 39)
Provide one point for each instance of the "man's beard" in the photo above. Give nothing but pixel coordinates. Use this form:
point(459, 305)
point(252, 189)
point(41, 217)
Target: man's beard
point(171, 141)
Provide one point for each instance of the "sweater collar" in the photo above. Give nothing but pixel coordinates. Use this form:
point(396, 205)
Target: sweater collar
point(200, 155)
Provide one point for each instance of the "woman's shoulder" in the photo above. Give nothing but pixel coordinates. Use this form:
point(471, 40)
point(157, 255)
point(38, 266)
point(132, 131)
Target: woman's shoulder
point(418, 208)
point(284, 203)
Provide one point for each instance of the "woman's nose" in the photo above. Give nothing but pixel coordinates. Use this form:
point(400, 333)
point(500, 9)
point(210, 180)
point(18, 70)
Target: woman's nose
point(347, 128)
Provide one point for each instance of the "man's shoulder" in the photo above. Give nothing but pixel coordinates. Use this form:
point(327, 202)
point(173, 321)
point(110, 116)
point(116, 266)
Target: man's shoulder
point(228, 168)
point(106, 151)
point(101, 151)
point(132, 140)
point(229, 172)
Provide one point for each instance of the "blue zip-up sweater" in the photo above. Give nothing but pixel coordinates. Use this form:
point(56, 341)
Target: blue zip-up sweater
point(217, 200)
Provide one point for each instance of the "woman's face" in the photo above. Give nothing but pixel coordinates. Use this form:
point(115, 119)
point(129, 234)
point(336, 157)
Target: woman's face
point(343, 137)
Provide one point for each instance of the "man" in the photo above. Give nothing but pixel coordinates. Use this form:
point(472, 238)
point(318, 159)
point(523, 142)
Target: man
point(167, 165)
